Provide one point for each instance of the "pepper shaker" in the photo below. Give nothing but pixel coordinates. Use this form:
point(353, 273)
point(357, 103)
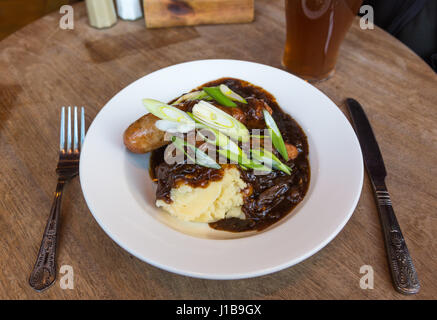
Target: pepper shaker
point(129, 9)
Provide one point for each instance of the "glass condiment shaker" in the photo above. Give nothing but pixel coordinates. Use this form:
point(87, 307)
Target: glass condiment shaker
point(101, 13)
point(129, 9)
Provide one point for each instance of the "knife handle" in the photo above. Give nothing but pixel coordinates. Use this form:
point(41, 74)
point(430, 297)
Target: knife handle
point(403, 273)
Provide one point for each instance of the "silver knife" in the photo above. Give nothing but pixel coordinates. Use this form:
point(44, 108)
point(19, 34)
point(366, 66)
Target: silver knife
point(401, 265)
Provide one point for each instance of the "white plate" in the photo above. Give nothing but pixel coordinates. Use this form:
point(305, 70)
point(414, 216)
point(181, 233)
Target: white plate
point(121, 196)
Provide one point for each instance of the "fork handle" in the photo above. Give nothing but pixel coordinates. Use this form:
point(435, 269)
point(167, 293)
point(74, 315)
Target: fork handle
point(44, 272)
point(403, 273)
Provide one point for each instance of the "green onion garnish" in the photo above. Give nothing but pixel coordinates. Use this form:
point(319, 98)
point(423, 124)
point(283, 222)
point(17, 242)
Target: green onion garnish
point(219, 140)
point(174, 127)
point(196, 95)
point(201, 157)
point(227, 147)
point(237, 155)
point(277, 140)
point(270, 159)
point(218, 96)
point(231, 94)
point(217, 119)
point(167, 112)
point(257, 136)
point(255, 165)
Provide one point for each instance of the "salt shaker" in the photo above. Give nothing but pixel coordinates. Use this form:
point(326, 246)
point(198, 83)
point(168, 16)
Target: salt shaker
point(101, 13)
point(129, 9)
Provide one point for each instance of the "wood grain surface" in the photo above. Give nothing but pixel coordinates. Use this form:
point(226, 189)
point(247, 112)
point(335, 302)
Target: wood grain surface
point(169, 13)
point(43, 67)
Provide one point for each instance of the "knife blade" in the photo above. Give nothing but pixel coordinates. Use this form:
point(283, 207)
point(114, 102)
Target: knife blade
point(402, 269)
point(372, 155)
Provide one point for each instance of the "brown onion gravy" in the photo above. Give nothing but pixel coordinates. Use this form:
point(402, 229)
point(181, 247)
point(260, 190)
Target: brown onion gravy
point(267, 198)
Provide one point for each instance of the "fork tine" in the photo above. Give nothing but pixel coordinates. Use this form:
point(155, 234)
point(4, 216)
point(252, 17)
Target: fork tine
point(69, 130)
point(82, 126)
point(75, 135)
point(62, 131)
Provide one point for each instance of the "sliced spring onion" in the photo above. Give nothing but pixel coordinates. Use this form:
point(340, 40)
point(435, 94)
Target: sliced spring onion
point(231, 94)
point(193, 117)
point(196, 95)
point(227, 147)
point(255, 165)
point(174, 127)
point(215, 118)
point(257, 136)
point(179, 144)
point(218, 96)
point(166, 112)
point(219, 140)
point(201, 157)
point(240, 158)
point(277, 140)
point(270, 159)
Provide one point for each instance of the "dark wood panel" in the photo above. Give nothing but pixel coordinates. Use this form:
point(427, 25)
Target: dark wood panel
point(15, 14)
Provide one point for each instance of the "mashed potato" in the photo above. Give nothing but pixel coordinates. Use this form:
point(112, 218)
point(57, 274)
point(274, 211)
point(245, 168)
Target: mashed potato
point(220, 199)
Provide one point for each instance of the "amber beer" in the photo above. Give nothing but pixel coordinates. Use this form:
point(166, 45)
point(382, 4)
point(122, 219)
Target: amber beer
point(315, 30)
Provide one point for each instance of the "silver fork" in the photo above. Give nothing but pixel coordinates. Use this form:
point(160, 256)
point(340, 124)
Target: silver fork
point(44, 272)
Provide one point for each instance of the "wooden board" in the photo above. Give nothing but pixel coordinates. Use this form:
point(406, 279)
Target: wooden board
point(170, 13)
point(43, 67)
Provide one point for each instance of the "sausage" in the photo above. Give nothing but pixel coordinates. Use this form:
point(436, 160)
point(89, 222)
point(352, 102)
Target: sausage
point(143, 136)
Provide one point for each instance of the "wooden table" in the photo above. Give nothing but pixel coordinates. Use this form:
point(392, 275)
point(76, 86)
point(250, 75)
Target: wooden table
point(43, 67)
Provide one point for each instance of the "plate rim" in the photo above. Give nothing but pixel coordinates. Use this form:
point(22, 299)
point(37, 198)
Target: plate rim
point(233, 276)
